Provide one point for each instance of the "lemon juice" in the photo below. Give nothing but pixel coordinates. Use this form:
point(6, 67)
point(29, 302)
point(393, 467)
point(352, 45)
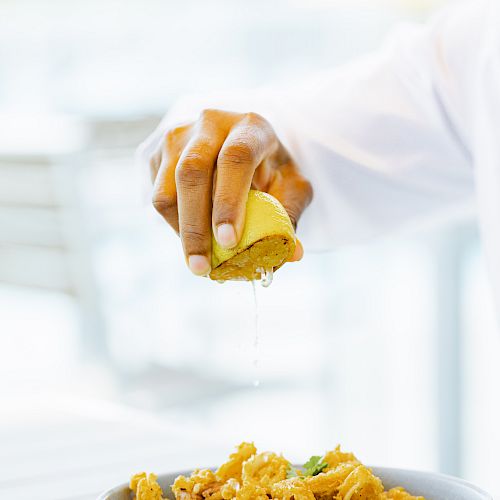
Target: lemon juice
point(255, 362)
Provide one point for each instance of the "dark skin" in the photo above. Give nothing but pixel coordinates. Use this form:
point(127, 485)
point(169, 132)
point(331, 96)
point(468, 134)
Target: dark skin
point(202, 173)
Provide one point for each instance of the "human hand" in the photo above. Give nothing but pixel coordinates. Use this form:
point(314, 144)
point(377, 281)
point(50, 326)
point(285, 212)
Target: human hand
point(202, 173)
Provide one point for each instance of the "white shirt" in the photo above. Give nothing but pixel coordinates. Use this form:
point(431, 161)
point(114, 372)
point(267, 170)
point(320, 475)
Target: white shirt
point(407, 132)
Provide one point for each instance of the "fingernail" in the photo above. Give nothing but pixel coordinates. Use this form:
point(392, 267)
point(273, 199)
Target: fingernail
point(199, 265)
point(226, 236)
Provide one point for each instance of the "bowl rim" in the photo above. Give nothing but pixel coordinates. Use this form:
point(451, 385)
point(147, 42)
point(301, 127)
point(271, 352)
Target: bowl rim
point(429, 474)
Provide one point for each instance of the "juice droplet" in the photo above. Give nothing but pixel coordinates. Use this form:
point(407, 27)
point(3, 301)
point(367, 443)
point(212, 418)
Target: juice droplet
point(266, 277)
point(255, 362)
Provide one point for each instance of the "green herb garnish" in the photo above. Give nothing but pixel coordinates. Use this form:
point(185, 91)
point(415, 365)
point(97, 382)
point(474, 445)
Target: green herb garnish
point(314, 466)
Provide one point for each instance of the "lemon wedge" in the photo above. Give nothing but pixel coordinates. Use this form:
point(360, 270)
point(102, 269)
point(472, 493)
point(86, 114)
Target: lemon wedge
point(267, 242)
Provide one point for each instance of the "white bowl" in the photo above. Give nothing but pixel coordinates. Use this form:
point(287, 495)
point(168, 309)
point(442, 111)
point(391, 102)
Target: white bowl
point(428, 484)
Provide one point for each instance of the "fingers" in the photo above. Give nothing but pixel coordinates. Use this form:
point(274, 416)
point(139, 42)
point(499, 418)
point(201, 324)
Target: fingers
point(242, 150)
point(163, 165)
point(193, 177)
point(292, 190)
point(248, 143)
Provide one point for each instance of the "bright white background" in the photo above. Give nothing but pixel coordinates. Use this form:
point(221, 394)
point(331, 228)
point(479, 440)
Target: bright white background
point(389, 348)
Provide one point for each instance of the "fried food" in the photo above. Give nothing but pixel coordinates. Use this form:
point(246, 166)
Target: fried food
point(146, 487)
point(249, 475)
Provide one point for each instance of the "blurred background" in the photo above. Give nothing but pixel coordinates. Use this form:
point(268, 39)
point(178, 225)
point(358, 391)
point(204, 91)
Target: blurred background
point(115, 359)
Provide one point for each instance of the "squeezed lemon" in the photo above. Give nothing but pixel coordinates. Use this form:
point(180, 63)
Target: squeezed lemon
point(267, 242)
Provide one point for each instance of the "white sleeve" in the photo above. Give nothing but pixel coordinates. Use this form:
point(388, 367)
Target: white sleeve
point(384, 141)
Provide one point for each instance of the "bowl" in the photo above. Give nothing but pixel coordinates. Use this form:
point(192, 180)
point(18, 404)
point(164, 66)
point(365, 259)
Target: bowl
point(428, 484)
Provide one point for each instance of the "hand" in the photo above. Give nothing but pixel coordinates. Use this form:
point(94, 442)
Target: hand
point(203, 171)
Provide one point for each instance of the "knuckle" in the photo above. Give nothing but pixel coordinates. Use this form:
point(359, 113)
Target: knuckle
point(170, 134)
point(255, 118)
point(261, 127)
point(165, 204)
point(201, 149)
point(225, 207)
point(208, 114)
point(238, 153)
point(173, 134)
point(170, 137)
point(194, 236)
point(191, 170)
